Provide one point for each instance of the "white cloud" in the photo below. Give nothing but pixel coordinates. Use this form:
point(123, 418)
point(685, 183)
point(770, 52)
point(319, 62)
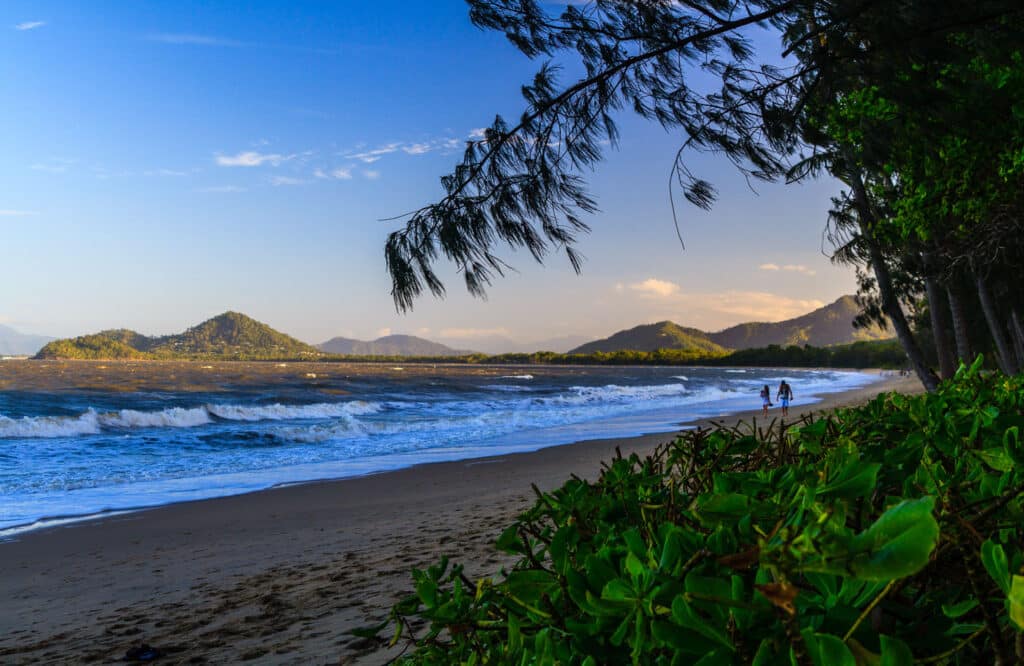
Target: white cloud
point(342, 173)
point(286, 180)
point(17, 213)
point(417, 148)
point(663, 300)
point(222, 189)
point(469, 333)
point(29, 25)
point(191, 39)
point(654, 288)
point(792, 268)
point(49, 168)
point(166, 172)
point(757, 305)
point(477, 133)
point(798, 268)
point(371, 156)
point(372, 175)
point(251, 158)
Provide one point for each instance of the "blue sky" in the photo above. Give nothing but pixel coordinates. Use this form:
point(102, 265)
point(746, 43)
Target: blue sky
point(165, 162)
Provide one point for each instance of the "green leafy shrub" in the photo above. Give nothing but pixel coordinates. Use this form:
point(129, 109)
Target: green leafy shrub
point(885, 534)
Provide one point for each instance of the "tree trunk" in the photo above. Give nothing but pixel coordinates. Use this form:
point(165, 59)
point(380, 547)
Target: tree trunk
point(1017, 333)
point(1007, 362)
point(956, 312)
point(892, 308)
point(937, 309)
point(890, 301)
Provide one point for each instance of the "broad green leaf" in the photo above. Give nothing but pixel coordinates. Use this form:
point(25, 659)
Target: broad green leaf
point(898, 544)
point(994, 558)
point(895, 652)
point(1016, 601)
point(723, 506)
point(618, 590)
point(854, 480)
point(827, 650)
point(956, 610)
point(997, 458)
point(530, 584)
point(685, 616)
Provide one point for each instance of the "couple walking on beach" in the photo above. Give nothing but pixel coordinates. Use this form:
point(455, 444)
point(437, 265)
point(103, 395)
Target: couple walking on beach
point(784, 395)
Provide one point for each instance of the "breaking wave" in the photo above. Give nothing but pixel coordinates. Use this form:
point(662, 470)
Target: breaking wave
point(93, 423)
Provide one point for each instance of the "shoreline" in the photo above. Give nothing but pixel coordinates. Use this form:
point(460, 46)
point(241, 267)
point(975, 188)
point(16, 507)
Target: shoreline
point(281, 575)
point(386, 464)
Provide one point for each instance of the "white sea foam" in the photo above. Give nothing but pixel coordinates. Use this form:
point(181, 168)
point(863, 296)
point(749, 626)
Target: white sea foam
point(682, 377)
point(92, 423)
point(175, 417)
point(279, 412)
point(516, 377)
point(50, 426)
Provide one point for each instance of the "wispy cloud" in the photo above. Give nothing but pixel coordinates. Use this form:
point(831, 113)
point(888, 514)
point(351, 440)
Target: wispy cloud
point(29, 25)
point(416, 148)
point(222, 189)
point(251, 158)
point(662, 299)
point(477, 133)
point(191, 39)
point(371, 156)
point(286, 180)
point(791, 268)
point(166, 172)
point(342, 173)
point(655, 288)
point(17, 213)
point(371, 175)
point(799, 268)
point(54, 165)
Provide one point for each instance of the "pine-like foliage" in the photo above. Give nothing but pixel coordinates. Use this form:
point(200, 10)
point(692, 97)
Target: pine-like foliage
point(520, 185)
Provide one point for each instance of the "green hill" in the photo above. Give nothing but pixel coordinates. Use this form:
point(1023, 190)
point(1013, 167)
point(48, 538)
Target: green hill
point(829, 325)
point(228, 336)
point(824, 327)
point(651, 337)
point(89, 347)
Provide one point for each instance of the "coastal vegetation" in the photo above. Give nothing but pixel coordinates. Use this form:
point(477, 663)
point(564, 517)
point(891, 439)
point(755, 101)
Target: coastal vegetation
point(891, 533)
point(875, 354)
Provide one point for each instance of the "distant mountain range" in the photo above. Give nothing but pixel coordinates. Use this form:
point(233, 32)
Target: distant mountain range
point(235, 336)
point(389, 345)
point(15, 343)
point(829, 325)
point(229, 336)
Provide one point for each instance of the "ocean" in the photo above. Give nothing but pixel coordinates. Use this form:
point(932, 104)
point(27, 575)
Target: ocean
point(79, 440)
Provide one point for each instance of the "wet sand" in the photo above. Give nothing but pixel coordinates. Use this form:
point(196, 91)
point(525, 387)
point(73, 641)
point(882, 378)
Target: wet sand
point(282, 575)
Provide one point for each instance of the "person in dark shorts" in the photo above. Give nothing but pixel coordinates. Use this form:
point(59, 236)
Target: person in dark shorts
point(785, 395)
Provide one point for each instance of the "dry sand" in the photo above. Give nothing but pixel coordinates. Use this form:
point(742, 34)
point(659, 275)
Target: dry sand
point(278, 576)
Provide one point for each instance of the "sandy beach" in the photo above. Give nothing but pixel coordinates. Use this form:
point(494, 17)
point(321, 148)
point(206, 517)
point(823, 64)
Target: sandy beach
point(282, 575)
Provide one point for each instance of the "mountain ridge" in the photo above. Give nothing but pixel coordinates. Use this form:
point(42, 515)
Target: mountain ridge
point(16, 343)
point(228, 335)
point(829, 325)
point(389, 345)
